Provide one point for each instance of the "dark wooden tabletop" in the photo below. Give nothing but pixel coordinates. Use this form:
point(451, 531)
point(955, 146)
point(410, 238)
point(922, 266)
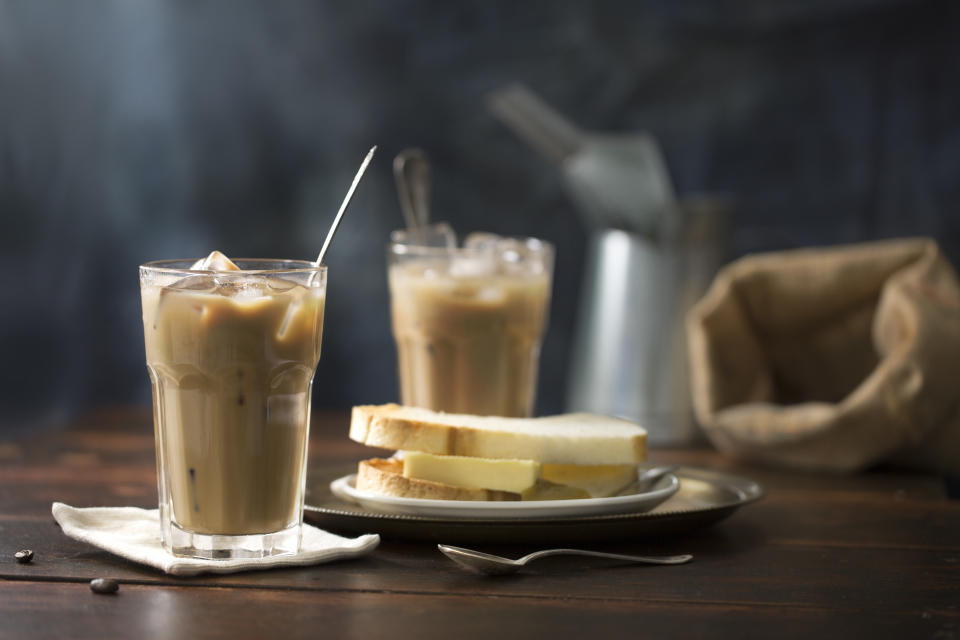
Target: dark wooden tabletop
point(872, 555)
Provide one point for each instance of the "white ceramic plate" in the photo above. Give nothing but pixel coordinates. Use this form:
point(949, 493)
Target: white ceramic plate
point(345, 489)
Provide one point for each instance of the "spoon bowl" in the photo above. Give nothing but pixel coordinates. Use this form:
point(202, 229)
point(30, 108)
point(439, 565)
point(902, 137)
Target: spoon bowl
point(490, 564)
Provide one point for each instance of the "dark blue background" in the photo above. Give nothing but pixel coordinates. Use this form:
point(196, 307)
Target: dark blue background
point(132, 131)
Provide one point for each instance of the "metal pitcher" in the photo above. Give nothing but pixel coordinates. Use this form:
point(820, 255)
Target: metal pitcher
point(650, 258)
point(629, 353)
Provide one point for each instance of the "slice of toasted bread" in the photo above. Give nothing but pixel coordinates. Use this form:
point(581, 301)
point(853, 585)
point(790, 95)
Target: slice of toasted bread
point(577, 438)
point(385, 477)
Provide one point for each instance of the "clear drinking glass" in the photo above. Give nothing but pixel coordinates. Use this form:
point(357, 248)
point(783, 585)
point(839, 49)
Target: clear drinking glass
point(231, 357)
point(469, 322)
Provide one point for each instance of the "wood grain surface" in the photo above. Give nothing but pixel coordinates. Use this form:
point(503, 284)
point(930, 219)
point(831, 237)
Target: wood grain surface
point(877, 554)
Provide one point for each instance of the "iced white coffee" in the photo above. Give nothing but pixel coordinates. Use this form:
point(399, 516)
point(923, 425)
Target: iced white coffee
point(231, 354)
point(469, 322)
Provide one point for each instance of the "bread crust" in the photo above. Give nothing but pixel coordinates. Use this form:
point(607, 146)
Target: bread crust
point(557, 439)
point(385, 477)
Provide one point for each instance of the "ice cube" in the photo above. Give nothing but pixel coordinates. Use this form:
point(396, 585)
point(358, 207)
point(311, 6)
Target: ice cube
point(511, 256)
point(523, 257)
point(482, 241)
point(292, 310)
point(252, 290)
point(194, 284)
point(216, 261)
point(279, 285)
point(491, 294)
point(473, 266)
point(242, 287)
point(512, 251)
point(191, 284)
point(478, 291)
point(479, 257)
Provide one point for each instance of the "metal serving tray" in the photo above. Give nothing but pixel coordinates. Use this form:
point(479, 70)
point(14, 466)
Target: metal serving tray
point(705, 497)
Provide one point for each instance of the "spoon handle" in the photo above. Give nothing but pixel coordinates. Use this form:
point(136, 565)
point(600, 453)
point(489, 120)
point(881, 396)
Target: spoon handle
point(613, 556)
point(411, 171)
point(343, 206)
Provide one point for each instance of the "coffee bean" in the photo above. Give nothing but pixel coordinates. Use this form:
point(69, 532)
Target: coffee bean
point(104, 585)
point(23, 556)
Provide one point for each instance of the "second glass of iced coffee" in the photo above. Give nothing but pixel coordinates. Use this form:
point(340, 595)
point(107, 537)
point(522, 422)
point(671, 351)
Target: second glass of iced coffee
point(469, 321)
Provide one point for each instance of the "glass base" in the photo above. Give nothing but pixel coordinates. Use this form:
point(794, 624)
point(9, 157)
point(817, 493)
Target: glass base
point(216, 547)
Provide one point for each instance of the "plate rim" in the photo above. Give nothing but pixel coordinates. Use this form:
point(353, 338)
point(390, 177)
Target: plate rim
point(516, 510)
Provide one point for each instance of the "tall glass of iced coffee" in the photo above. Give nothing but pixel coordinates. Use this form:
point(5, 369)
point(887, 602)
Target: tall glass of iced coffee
point(231, 350)
point(469, 321)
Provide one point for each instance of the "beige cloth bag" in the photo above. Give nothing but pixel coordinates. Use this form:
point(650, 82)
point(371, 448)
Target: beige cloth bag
point(832, 359)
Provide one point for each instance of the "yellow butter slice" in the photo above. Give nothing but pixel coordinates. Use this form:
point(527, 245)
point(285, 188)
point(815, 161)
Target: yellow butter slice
point(478, 473)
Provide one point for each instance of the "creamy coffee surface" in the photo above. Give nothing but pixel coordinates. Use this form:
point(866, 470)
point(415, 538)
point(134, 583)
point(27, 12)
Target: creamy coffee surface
point(231, 355)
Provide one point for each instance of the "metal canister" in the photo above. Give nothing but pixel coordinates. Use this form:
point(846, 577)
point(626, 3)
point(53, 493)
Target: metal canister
point(629, 354)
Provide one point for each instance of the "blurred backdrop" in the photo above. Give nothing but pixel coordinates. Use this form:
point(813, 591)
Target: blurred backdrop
point(137, 130)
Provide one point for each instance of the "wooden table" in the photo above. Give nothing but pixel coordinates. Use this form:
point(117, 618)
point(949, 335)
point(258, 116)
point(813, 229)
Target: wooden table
point(874, 555)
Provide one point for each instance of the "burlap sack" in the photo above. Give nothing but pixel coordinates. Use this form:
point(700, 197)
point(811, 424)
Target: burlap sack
point(832, 359)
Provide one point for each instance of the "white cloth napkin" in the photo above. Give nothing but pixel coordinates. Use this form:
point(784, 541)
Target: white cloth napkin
point(134, 534)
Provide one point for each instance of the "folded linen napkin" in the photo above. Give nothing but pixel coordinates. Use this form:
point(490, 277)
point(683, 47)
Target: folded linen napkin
point(134, 534)
point(832, 358)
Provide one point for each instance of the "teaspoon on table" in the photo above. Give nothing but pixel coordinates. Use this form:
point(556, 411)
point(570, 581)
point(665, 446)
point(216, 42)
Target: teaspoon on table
point(497, 565)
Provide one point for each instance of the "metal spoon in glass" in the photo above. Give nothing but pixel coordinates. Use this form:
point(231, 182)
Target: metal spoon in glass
point(344, 205)
point(497, 565)
point(411, 170)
